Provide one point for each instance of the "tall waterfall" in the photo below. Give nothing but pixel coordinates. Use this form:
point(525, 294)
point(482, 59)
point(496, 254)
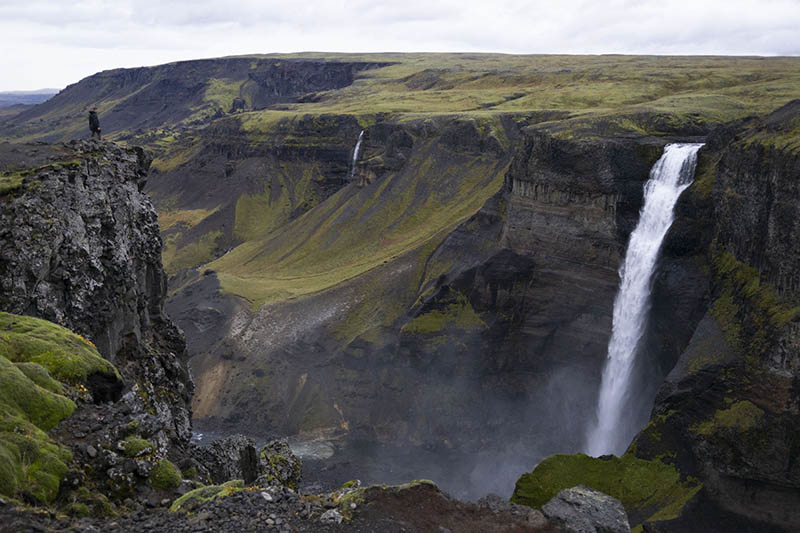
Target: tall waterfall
point(668, 178)
point(356, 150)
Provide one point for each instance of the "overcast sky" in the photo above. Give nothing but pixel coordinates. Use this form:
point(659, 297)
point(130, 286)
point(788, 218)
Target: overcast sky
point(52, 43)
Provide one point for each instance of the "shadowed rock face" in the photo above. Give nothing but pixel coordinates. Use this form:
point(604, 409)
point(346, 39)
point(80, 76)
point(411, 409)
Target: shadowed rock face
point(80, 246)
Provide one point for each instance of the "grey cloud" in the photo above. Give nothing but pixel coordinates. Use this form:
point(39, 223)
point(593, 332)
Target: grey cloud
point(136, 32)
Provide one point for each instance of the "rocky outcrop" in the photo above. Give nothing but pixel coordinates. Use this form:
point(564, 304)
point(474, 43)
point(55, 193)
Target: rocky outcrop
point(80, 246)
point(585, 510)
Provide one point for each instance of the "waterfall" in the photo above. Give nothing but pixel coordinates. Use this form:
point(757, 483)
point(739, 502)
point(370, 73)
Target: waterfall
point(356, 150)
point(668, 178)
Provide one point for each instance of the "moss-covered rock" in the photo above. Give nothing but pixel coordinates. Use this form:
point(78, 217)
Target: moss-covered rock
point(649, 490)
point(191, 499)
point(32, 353)
point(20, 396)
point(67, 356)
point(134, 446)
point(165, 475)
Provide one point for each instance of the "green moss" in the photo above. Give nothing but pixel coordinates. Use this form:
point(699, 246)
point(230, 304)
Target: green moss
point(29, 460)
point(189, 473)
point(10, 182)
point(77, 509)
point(31, 463)
point(203, 494)
point(22, 397)
point(165, 475)
point(651, 488)
point(39, 375)
point(134, 446)
point(458, 315)
point(742, 416)
point(67, 356)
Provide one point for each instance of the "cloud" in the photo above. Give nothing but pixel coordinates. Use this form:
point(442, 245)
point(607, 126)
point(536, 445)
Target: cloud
point(56, 43)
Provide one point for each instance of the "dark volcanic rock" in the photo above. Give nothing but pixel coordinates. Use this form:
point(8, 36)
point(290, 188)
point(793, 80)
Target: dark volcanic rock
point(80, 246)
point(585, 510)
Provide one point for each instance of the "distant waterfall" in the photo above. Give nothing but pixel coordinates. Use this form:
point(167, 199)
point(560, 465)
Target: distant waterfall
point(668, 178)
point(356, 151)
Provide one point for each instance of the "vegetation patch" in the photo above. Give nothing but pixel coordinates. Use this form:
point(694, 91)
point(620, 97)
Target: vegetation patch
point(652, 489)
point(742, 416)
point(193, 498)
point(458, 315)
point(165, 475)
point(68, 357)
point(135, 446)
point(32, 353)
point(748, 310)
point(356, 230)
point(177, 258)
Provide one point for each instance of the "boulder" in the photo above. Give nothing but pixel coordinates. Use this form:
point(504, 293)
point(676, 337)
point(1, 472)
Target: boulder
point(585, 510)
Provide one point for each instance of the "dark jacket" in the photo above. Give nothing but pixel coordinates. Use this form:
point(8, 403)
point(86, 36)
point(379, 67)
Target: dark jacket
point(94, 122)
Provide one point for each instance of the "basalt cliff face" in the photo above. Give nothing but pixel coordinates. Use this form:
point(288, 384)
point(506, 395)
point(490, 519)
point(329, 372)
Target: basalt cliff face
point(723, 433)
point(728, 411)
point(81, 248)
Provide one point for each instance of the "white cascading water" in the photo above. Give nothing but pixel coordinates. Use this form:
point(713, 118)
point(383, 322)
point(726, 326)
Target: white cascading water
point(356, 150)
point(668, 178)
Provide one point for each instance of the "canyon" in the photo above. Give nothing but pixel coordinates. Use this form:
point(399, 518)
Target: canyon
point(438, 301)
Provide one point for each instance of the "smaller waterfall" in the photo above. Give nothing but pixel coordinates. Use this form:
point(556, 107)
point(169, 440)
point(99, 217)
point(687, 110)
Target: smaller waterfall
point(356, 151)
point(668, 178)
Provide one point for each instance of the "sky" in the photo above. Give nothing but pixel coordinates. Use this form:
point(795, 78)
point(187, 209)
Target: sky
point(52, 43)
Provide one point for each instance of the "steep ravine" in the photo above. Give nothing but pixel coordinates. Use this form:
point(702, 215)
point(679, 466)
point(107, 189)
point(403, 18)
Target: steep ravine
point(86, 447)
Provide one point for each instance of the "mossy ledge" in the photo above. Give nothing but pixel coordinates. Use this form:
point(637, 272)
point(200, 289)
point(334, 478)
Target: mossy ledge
point(650, 490)
point(32, 353)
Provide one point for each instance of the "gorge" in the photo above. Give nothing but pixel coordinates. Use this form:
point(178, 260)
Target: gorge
point(437, 300)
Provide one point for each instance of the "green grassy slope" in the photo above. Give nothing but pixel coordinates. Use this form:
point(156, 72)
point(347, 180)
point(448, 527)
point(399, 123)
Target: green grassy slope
point(358, 229)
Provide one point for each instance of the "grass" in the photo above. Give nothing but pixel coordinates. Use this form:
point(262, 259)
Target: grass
point(651, 489)
point(459, 315)
point(203, 494)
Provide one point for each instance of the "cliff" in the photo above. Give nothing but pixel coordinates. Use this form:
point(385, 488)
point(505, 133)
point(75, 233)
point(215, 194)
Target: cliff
point(722, 434)
point(728, 410)
point(81, 248)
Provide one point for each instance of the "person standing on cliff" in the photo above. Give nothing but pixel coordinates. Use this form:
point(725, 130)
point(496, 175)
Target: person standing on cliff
point(94, 123)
